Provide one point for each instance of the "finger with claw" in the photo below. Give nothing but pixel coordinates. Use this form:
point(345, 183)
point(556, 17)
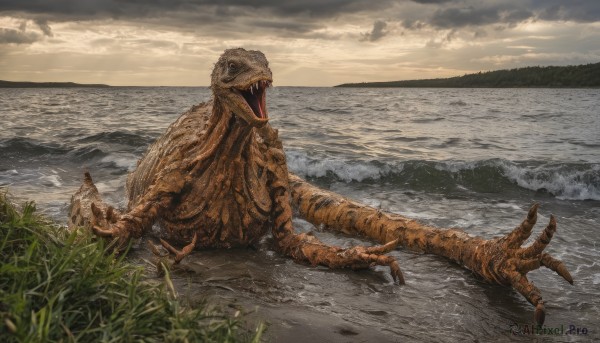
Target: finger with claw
point(365, 257)
point(180, 254)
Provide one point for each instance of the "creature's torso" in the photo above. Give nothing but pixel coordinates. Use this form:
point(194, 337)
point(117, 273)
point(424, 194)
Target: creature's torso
point(226, 196)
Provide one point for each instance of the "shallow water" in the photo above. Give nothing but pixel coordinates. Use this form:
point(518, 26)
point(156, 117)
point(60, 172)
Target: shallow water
point(469, 158)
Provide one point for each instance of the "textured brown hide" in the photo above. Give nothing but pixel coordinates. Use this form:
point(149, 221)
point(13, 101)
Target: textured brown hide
point(500, 260)
point(218, 178)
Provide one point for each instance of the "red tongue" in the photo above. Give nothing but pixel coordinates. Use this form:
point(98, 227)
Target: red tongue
point(261, 112)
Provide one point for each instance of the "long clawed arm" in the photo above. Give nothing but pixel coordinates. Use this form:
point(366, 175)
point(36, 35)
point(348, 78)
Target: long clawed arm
point(306, 247)
point(502, 260)
point(105, 221)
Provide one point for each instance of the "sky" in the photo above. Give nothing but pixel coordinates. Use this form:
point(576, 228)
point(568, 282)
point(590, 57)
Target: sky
point(307, 42)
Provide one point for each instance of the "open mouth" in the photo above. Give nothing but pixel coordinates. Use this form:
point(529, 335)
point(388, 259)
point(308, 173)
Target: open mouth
point(256, 97)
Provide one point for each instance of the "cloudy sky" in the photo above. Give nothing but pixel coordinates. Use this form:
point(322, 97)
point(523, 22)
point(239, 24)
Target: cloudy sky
point(308, 42)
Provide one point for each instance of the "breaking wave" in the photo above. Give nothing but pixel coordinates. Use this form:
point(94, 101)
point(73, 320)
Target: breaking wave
point(566, 181)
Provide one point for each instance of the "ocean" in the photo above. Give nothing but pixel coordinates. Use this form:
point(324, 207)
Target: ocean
point(474, 159)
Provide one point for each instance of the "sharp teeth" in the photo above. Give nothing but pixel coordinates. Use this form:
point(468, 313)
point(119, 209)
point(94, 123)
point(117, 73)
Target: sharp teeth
point(251, 88)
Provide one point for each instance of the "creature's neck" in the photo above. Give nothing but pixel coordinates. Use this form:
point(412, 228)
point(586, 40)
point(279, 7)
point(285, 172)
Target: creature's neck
point(226, 140)
point(231, 135)
point(226, 137)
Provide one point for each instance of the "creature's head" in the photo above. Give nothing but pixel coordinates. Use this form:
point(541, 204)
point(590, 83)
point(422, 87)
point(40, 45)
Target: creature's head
point(240, 80)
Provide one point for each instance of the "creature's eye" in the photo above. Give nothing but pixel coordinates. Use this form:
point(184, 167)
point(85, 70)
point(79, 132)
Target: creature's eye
point(232, 67)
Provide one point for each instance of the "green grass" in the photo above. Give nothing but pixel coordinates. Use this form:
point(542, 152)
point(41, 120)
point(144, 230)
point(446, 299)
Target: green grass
point(60, 286)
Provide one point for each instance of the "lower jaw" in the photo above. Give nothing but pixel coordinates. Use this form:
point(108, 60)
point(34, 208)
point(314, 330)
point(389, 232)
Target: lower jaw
point(254, 121)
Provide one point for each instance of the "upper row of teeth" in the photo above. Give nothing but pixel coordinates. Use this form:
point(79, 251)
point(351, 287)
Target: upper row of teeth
point(257, 84)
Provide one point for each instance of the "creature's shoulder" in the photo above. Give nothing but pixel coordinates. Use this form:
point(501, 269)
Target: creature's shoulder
point(181, 136)
point(193, 119)
point(185, 132)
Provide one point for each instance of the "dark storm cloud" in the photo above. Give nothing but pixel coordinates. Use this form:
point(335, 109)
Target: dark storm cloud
point(10, 36)
point(43, 25)
point(218, 17)
point(459, 17)
point(575, 10)
point(458, 14)
point(301, 16)
point(377, 33)
point(123, 9)
point(431, 1)
point(299, 26)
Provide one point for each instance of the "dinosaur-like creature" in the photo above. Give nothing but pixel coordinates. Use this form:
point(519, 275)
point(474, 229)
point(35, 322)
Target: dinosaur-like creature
point(218, 178)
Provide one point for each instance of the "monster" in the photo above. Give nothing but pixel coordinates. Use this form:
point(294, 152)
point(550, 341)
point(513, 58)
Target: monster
point(218, 178)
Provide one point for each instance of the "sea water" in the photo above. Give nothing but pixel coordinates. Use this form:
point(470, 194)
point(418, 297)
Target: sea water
point(474, 159)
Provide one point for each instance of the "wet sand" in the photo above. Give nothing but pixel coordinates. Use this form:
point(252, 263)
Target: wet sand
point(441, 302)
point(252, 282)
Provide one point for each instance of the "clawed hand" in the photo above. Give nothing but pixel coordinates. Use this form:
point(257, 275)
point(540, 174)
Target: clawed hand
point(360, 257)
point(504, 261)
point(110, 224)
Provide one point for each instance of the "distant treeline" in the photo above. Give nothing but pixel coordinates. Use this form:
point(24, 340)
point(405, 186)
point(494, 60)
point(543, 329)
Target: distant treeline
point(581, 76)
point(16, 84)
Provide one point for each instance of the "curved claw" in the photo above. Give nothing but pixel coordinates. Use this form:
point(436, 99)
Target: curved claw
point(531, 293)
point(540, 313)
point(557, 266)
point(111, 215)
point(542, 241)
point(180, 254)
point(383, 249)
point(374, 256)
point(397, 273)
point(101, 232)
point(154, 249)
point(523, 231)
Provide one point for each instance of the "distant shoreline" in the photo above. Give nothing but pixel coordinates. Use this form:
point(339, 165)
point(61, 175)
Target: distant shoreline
point(581, 76)
point(27, 84)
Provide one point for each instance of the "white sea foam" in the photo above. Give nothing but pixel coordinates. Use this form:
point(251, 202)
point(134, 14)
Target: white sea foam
point(347, 171)
point(563, 181)
point(125, 161)
point(51, 180)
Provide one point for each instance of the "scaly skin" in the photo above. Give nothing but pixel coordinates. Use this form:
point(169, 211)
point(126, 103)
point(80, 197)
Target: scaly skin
point(500, 260)
point(218, 178)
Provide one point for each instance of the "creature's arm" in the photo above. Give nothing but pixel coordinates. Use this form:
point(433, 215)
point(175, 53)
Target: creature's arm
point(500, 260)
point(306, 247)
point(133, 223)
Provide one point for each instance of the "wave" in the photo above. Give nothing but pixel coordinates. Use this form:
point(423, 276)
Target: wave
point(19, 146)
point(565, 181)
point(25, 148)
point(119, 137)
